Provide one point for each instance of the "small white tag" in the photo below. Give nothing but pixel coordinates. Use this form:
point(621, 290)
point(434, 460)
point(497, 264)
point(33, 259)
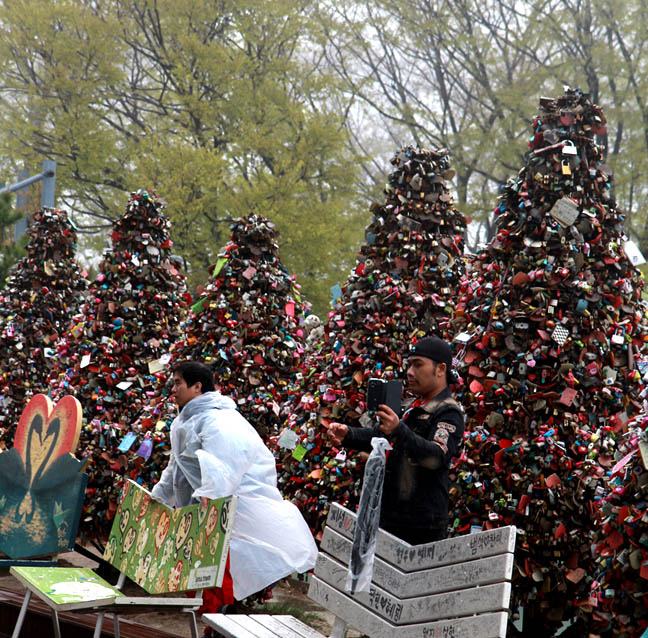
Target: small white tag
point(202, 577)
point(633, 253)
point(85, 360)
point(155, 366)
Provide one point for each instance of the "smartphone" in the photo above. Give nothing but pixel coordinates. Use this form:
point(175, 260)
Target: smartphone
point(381, 391)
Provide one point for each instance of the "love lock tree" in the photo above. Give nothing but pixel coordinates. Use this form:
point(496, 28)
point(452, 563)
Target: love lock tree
point(620, 541)
point(553, 334)
point(44, 289)
point(247, 326)
point(402, 287)
point(114, 353)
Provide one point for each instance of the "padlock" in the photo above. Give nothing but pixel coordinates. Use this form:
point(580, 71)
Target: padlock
point(566, 169)
point(569, 148)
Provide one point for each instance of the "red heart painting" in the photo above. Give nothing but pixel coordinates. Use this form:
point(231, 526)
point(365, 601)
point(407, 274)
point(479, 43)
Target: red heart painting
point(46, 431)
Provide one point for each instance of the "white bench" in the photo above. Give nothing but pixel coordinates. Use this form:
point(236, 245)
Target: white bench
point(457, 587)
point(259, 626)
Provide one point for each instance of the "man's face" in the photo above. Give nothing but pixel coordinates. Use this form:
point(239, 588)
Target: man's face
point(425, 376)
point(182, 392)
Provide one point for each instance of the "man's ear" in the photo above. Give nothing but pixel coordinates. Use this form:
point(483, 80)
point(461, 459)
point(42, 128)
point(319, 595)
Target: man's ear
point(199, 384)
point(441, 371)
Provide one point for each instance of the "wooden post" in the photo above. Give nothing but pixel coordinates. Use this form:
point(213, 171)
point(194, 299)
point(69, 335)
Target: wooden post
point(339, 628)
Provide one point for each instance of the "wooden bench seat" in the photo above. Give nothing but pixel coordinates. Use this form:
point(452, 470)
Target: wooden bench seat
point(259, 626)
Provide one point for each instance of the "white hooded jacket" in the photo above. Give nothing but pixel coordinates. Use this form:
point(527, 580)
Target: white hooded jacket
point(215, 452)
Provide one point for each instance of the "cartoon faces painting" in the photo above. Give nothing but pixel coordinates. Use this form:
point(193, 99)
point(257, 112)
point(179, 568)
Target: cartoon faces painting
point(202, 513)
point(142, 536)
point(182, 531)
point(161, 530)
point(152, 573)
point(213, 543)
point(144, 505)
point(129, 540)
point(142, 569)
point(212, 521)
point(137, 498)
point(174, 576)
point(188, 549)
point(159, 547)
point(111, 549)
point(199, 548)
point(123, 520)
point(168, 550)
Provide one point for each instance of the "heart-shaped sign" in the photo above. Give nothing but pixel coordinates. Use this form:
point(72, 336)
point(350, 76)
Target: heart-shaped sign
point(41, 482)
point(47, 431)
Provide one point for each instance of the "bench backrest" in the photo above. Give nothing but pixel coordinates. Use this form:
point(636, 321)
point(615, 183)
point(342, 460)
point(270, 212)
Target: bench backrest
point(41, 483)
point(459, 585)
point(167, 550)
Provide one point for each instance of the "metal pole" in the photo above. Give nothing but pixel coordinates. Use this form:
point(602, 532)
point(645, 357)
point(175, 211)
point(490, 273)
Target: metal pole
point(48, 197)
point(49, 181)
point(22, 184)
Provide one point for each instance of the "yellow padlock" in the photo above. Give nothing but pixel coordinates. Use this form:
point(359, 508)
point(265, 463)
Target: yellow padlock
point(566, 170)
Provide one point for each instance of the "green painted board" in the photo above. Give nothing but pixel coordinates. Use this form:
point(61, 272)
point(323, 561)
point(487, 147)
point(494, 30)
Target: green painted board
point(67, 587)
point(164, 549)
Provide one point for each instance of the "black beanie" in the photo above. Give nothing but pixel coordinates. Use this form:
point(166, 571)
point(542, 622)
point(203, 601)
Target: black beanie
point(437, 350)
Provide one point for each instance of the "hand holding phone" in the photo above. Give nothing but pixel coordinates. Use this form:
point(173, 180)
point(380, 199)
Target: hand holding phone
point(383, 392)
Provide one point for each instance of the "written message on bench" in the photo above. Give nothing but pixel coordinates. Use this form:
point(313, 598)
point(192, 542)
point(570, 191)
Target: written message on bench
point(166, 550)
point(456, 587)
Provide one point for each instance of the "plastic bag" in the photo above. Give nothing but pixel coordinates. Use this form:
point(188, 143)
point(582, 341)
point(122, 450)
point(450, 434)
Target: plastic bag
point(363, 551)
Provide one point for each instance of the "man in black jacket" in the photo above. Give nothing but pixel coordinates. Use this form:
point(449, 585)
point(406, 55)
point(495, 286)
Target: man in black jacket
point(426, 437)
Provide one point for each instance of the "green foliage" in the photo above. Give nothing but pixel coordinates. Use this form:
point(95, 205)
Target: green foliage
point(220, 106)
point(10, 250)
point(467, 76)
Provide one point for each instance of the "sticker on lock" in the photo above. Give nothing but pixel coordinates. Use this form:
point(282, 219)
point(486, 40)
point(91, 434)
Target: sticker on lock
point(565, 211)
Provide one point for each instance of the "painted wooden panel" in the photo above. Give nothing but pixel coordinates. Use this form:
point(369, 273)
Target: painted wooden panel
point(466, 602)
point(492, 625)
point(166, 550)
point(41, 483)
point(485, 571)
point(411, 558)
point(67, 587)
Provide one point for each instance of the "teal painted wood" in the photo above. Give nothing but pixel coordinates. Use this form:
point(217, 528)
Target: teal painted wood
point(40, 519)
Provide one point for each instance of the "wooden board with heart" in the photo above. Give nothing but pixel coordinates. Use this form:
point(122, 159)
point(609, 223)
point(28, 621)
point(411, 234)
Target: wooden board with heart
point(41, 482)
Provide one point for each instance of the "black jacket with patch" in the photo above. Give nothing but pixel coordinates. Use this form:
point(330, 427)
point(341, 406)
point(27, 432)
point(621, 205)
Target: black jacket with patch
point(415, 492)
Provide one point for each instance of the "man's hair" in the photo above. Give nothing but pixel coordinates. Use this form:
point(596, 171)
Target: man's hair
point(193, 372)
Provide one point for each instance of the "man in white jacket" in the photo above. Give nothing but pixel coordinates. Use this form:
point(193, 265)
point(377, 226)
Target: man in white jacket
point(215, 452)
